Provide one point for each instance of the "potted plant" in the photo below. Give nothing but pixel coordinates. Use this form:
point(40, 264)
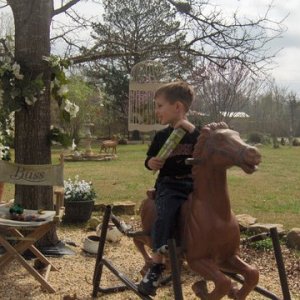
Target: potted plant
point(79, 196)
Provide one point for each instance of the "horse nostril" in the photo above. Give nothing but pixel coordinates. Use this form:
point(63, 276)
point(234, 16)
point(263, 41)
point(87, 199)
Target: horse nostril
point(253, 154)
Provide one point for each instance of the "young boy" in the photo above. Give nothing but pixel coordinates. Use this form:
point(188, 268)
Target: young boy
point(174, 182)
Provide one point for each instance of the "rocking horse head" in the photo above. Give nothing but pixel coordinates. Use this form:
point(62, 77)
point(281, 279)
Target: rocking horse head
point(224, 148)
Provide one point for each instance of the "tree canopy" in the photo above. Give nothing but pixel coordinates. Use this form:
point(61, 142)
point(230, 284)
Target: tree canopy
point(194, 33)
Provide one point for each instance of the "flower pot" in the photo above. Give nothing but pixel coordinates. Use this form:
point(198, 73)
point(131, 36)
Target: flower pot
point(112, 235)
point(91, 244)
point(78, 211)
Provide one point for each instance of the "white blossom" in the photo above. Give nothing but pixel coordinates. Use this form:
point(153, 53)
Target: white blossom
point(78, 190)
point(16, 70)
point(4, 152)
point(71, 108)
point(63, 90)
point(30, 101)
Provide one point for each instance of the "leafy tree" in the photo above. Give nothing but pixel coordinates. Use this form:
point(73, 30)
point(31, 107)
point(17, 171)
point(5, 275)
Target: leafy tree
point(212, 38)
point(138, 30)
point(201, 31)
point(293, 106)
point(85, 96)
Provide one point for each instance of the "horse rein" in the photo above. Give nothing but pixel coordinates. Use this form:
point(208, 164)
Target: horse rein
point(237, 156)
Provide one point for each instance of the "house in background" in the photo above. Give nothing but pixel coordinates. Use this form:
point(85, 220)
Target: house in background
point(239, 121)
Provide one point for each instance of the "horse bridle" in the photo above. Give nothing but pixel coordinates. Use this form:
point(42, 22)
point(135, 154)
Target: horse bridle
point(237, 156)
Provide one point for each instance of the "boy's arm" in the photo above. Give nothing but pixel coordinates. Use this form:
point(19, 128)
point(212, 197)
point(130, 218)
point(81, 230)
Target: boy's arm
point(186, 125)
point(146, 162)
point(152, 151)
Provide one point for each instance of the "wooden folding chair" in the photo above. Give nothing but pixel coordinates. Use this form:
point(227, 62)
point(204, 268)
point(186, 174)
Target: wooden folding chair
point(12, 236)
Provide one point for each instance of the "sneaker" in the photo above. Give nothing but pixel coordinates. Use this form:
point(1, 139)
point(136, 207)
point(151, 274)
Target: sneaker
point(151, 280)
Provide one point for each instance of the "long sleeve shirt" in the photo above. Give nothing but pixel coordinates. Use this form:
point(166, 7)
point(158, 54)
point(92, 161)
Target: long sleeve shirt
point(175, 163)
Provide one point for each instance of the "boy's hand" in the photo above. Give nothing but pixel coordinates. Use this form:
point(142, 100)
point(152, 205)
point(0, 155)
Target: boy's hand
point(155, 163)
point(185, 124)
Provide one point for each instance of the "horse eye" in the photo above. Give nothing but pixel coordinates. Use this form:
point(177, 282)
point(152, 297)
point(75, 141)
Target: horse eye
point(219, 136)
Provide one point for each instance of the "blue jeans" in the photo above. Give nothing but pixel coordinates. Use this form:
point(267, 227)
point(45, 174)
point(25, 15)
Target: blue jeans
point(170, 195)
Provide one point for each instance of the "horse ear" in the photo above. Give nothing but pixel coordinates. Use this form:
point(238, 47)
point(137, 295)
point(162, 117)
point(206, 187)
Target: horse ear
point(205, 131)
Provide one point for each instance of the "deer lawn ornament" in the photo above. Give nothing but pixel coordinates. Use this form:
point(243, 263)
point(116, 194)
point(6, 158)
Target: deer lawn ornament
point(109, 144)
point(209, 231)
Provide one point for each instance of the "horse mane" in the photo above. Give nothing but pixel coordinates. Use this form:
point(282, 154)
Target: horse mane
point(204, 135)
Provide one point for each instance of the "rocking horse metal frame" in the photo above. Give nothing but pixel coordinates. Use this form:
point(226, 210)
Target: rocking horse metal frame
point(129, 284)
point(227, 260)
point(175, 269)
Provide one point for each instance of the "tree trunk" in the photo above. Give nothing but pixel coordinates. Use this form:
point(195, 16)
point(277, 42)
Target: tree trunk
point(32, 124)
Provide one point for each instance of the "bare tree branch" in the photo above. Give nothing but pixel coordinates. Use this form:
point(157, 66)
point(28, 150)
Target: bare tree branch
point(7, 52)
point(92, 57)
point(65, 7)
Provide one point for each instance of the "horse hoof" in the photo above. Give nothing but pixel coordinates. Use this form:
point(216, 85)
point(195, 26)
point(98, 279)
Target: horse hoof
point(233, 293)
point(200, 289)
point(146, 267)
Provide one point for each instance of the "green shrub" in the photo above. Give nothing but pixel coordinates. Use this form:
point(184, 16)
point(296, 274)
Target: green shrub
point(296, 142)
point(258, 138)
point(282, 141)
point(255, 138)
point(135, 135)
point(123, 141)
point(264, 245)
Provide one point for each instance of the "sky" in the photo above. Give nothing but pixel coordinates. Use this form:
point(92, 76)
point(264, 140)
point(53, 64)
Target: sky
point(287, 62)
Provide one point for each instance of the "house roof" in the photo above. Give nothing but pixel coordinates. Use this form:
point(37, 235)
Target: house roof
point(197, 113)
point(234, 114)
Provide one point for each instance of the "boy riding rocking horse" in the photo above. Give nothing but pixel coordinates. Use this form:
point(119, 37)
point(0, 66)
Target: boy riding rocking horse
point(174, 182)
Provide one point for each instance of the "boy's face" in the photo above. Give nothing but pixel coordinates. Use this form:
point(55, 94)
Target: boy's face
point(167, 112)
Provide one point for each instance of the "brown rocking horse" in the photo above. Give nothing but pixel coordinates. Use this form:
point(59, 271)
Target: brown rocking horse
point(209, 231)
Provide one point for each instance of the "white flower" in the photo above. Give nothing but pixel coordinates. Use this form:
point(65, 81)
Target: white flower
point(63, 90)
point(78, 190)
point(71, 108)
point(4, 152)
point(16, 70)
point(30, 101)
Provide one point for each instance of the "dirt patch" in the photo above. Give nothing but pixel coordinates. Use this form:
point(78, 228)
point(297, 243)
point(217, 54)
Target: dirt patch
point(76, 272)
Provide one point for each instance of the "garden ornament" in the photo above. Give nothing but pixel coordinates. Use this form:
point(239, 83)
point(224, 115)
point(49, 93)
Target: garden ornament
point(113, 233)
point(109, 144)
point(209, 231)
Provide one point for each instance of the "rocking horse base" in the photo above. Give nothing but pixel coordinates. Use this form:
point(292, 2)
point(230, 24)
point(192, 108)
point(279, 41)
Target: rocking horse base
point(129, 284)
point(199, 288)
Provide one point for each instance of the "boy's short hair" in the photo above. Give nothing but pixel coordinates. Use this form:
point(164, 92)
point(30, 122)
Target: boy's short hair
point(177, 91)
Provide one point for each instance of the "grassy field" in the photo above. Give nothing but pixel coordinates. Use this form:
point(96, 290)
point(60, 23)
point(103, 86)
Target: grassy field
point(272, 194)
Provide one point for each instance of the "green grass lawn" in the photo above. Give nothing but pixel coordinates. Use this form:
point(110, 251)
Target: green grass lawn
point(272, 194)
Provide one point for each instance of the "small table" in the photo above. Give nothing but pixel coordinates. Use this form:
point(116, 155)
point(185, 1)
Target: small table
point(10, 230)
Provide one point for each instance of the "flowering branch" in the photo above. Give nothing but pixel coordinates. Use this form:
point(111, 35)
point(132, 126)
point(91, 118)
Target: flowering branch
point(18, 90)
